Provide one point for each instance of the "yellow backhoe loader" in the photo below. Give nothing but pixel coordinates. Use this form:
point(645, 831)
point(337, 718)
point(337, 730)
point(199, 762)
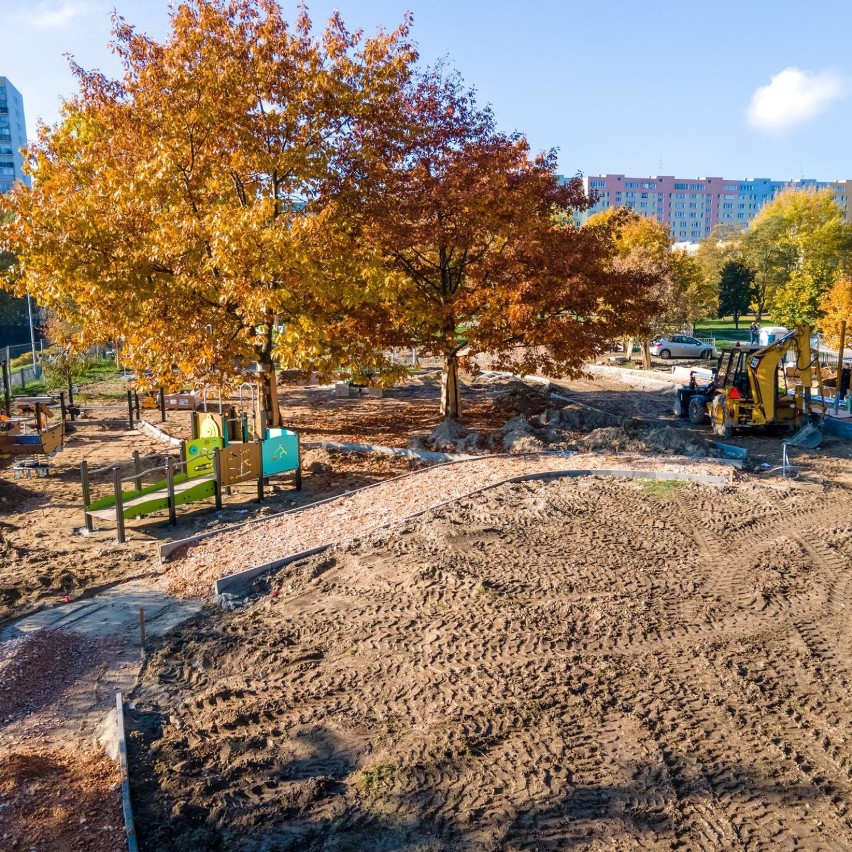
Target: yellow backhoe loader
point(750, 388)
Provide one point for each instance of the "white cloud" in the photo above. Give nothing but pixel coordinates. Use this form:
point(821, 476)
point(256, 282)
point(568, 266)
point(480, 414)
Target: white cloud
point(52, 15)
point(794, 97)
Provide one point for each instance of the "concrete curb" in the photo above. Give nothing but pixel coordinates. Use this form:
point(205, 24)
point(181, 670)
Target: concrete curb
point(631, 379)
point(240, 578)
point(421, 455)
point(159, 434)
point(129, 829)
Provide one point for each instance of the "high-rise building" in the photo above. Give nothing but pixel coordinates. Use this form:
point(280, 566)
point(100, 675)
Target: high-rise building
point(13, 136)
point(691, 207)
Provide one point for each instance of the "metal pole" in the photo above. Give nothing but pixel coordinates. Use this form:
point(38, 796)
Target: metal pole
point(71, 397)
point(130, 407)
point(260, 471)
point(32, 333)
point(119, 506)
point(170, 482)
point(136, 405)
point(162, 404)
point(7, 383)
point(62, 408)
point(87, 499)
point(840, 353)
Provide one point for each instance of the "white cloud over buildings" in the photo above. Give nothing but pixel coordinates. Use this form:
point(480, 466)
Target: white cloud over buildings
point(794, 97)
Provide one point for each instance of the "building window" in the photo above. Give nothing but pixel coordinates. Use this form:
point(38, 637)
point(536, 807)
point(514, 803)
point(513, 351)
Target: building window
point(597, 183)
point(681, 186)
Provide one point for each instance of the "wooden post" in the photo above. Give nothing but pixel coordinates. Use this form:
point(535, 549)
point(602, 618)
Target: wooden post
point(63, 409)
point(87, 499)
point(142, 629)
point(38, 417)
point(260, 471)
point(217, 476)
point(71, 398)
point(840, 353)
point(298, 464)
point(130, 407)
point(119, 506)
point(170, 481)
point(162, 404)
point(137, 469)
point(7, 384)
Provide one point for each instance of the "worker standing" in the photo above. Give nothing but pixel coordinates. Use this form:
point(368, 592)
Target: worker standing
point(754, 329)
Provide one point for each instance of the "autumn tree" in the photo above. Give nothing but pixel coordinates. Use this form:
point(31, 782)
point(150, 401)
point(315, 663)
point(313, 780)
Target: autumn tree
point(672, 282)
point(174, 209)
point(836, 306)
point(796, 246)
point(468, 246)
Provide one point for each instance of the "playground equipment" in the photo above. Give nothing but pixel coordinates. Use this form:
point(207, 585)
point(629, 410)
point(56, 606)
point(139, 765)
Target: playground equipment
point(219, 455)
point(25, 434)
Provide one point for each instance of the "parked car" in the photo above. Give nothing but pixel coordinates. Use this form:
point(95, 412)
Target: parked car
point(680, 346)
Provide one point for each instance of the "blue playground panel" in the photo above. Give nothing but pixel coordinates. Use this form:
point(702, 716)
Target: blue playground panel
point(280, 450)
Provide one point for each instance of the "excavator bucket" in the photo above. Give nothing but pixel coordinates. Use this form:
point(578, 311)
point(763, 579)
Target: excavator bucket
point(808, 437)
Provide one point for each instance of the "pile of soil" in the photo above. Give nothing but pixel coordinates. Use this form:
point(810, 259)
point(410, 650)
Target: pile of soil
point(635, 438)
point(549, 665)
point(518, 397)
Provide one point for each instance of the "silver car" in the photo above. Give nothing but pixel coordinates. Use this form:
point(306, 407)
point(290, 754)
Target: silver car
point(680, 346)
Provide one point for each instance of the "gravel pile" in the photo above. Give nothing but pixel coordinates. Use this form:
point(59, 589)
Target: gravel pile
point(193, 571)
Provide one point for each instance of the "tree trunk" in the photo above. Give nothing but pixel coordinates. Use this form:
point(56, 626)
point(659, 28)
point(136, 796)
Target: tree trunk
point(736, 320)
point(268, 413)
point(450, 397)
point(628, 348)
point(646, 353)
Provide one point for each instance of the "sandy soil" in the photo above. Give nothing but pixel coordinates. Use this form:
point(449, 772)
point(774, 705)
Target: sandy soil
point(579, 664)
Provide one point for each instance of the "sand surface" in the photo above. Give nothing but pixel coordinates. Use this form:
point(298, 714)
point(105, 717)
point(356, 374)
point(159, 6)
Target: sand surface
point(575, 664)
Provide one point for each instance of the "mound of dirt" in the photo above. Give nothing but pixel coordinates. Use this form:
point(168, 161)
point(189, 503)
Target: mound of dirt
point(519, 436)
point(632, 439)
point(520, 398)
point(577, 418)
point(452, 437)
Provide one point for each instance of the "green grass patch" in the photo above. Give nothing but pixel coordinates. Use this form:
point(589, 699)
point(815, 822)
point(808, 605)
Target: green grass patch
point(662, 487)
point(376, 777)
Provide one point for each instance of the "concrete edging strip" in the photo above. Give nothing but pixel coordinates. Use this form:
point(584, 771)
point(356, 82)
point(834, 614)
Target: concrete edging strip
point(159, 434)
point(129, 829)
point(240, 578)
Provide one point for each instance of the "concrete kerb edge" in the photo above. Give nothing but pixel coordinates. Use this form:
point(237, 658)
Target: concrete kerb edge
point(168, 547)
point(159, 434)
point(127, 810)
point(240, 578)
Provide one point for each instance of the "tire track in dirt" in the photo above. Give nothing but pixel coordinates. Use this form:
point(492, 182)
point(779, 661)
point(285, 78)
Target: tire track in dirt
point(551, 665)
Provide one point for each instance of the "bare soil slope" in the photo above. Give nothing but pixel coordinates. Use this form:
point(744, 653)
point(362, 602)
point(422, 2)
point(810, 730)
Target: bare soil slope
point(579, 664)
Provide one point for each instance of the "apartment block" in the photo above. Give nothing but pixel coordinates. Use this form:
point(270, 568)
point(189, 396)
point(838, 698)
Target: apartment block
point(692, 207)
point(13, 136)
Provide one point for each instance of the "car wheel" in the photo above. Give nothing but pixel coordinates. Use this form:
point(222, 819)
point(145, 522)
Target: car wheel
point(722, 425)
point(697, 410)
point(707, 353)
point(665, 354)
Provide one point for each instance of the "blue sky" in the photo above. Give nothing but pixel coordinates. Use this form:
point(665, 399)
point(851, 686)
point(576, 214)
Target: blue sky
point(730, 88)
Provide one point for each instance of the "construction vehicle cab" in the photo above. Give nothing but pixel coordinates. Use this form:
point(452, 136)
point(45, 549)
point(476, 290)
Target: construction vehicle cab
point(750, 389)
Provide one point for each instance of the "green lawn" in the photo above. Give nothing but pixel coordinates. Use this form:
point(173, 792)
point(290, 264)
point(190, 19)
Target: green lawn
point(723, 328)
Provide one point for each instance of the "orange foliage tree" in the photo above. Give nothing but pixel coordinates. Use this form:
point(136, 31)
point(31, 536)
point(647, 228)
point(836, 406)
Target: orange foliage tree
point(175, 210)
point(836, 306)
point(472, 243)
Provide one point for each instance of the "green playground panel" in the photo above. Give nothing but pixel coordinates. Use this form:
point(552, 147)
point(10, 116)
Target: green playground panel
point(199, 455)
point(204, 489)
point(280, 449)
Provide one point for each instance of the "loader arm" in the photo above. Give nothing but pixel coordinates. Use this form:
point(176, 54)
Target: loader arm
point(763, 369)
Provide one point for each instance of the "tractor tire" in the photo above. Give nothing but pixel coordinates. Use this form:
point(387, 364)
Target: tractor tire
point(722, 425)
point(665, 354)
point(697, 410)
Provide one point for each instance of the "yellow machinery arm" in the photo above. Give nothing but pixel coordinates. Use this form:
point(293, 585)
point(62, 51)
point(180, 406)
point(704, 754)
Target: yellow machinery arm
point(763, 369)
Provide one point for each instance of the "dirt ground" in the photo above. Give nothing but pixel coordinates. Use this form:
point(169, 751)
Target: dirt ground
point(338, 786)
point(577, 664)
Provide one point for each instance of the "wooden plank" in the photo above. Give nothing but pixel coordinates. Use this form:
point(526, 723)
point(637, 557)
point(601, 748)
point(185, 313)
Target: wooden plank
point(126, 807)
